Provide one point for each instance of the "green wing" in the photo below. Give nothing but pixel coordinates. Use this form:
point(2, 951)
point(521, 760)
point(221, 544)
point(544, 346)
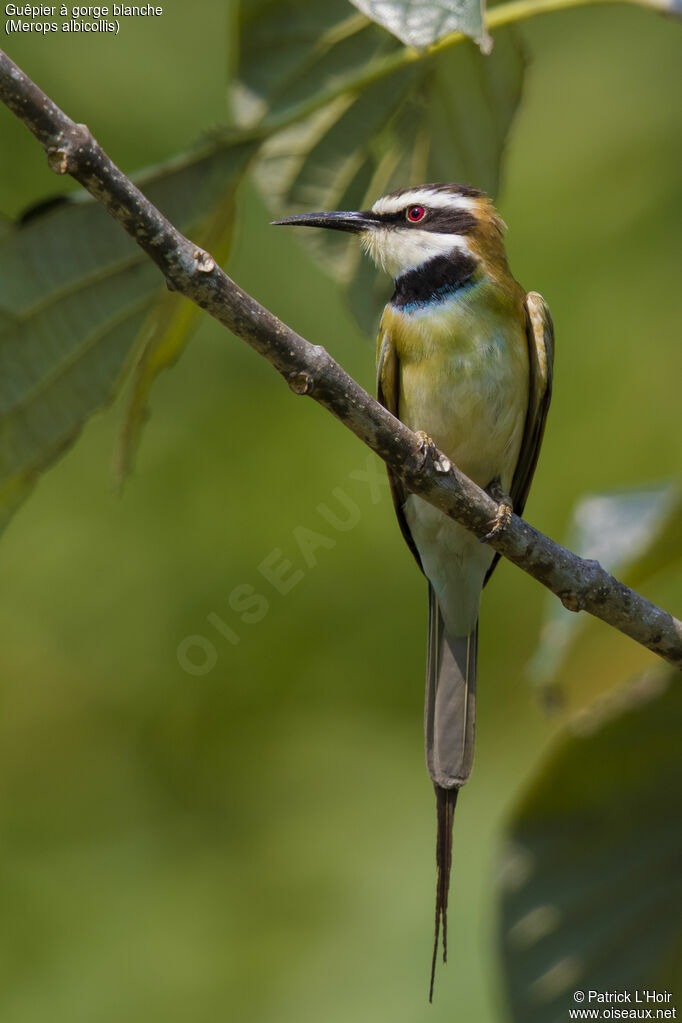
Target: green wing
point(540, 335)
point(388, 395)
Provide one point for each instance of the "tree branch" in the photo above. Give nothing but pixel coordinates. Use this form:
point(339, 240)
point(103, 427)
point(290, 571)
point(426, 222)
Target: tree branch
point(309, 369)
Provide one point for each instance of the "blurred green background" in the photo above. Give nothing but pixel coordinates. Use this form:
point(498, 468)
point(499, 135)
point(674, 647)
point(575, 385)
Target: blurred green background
point(256, 841)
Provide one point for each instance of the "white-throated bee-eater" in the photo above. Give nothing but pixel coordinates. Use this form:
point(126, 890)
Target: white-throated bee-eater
point(464, 358)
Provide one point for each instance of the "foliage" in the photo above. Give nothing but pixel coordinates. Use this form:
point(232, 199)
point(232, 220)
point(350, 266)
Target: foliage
point(382, 127)
point(417, 24)
point(76, 291)
point(591, 896)
point(591, 852)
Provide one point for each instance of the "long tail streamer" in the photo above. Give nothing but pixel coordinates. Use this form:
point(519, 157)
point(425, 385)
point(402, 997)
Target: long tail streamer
point(446, 800)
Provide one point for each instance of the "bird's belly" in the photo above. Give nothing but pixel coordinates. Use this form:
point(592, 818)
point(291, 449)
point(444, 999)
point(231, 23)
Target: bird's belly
point(469, 393)
point(472, 404)
point(454, 562)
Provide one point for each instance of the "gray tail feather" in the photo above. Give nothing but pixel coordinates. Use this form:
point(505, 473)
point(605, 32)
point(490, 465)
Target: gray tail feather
point(450, 721)
point(450, 710)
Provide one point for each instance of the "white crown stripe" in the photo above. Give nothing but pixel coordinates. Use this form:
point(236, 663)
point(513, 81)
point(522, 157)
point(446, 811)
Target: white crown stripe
point(424, 197)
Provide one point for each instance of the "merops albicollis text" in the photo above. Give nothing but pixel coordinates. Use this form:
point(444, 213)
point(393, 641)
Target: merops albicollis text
point(464, 357)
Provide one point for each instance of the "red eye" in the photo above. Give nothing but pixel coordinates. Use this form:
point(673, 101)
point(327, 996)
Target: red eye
point(415, 214)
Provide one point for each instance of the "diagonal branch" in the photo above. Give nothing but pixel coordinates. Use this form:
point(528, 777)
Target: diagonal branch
point(309, 369)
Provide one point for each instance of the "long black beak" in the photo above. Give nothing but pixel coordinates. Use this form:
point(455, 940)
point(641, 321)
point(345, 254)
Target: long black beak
point(339, 221)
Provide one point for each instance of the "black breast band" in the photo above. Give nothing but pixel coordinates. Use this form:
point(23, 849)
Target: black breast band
point(435, 280)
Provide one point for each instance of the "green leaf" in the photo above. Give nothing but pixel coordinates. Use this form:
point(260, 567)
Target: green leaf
point(443, 117)
point(421, 24)
point(168, 332)
point(75, 291)
point(291, 51)
point(591, 894)
point(634, 535)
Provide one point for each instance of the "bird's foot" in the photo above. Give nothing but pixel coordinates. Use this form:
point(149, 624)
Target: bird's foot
point(429, 452)
point(504, 511)
point(427, 448)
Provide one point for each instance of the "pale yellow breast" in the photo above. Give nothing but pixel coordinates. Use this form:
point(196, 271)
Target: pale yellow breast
point(464, 380)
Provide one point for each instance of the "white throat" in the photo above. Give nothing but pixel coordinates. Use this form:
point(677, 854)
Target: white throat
point(397, 250)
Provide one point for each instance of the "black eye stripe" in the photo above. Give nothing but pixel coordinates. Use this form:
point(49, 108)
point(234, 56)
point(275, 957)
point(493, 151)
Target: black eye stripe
point(443, 221)
point(450, 221)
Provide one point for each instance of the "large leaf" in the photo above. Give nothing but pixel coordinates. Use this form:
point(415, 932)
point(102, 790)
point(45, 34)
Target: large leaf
point(635, 535)
point(423, 22)
point(441, 117)
point(74, 293)
point(293, 51)
point(592, 898)
point(169, 330)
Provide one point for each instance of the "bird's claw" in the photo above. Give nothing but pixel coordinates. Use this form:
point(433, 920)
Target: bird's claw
point(429, 452)
point(500, 522)
point(427, 448)
point(504, 511)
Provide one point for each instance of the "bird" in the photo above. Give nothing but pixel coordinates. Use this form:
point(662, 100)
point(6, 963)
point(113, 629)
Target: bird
point(464, 359)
